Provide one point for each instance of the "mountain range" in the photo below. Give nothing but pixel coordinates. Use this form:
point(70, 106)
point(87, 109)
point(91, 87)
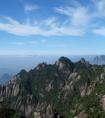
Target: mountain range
point(99, 60)
point(61, 90)
point(16, 63)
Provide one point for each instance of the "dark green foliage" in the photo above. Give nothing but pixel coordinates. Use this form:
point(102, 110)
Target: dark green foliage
point(9, 113)
point(47, 85)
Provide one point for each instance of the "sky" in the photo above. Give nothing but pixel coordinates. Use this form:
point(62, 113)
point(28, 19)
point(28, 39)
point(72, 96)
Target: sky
point(52, 27)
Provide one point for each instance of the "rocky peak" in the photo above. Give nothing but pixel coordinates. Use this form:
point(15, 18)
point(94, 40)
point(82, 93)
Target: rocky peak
point(41, 66)
point(65, 60)
point(64, 63)
point(84, 62)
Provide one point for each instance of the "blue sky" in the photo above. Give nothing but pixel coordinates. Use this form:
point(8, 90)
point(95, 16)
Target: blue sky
point(52, 27)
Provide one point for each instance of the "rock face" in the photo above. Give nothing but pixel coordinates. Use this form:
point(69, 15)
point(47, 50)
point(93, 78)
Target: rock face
point(11, 89)
point(41, 66)
point(49, 112)
point(103, 102)
point(82, 115)
point(37, 115)
point(64, 63)
point(65, 66)
point(61, 90)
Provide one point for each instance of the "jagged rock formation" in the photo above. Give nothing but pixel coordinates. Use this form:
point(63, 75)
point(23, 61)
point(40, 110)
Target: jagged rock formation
point(61, 90)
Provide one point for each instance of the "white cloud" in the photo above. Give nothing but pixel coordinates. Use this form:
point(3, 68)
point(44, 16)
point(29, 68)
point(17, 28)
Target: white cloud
point(99, 13)
point(82, 19)
point(77, 21)
point(99, 31)
point(77, 16)
point(99, 7)
point(14, 27)
point(30, 7)
point(49, 27)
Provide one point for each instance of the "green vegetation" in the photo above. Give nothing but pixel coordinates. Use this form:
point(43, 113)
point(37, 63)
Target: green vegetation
point(69, 97)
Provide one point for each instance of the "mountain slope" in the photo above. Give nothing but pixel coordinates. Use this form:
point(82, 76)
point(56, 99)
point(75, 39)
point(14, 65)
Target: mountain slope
point(61, 90)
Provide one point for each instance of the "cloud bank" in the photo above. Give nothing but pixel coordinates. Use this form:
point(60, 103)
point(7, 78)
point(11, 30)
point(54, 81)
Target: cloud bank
point(79, 20)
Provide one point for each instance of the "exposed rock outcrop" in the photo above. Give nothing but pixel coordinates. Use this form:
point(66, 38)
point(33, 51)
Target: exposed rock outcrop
point(59, 90)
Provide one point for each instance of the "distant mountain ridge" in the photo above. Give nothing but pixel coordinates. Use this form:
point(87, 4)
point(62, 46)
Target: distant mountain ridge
point(93, 59)
point(5, 78)
point(99, 60)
